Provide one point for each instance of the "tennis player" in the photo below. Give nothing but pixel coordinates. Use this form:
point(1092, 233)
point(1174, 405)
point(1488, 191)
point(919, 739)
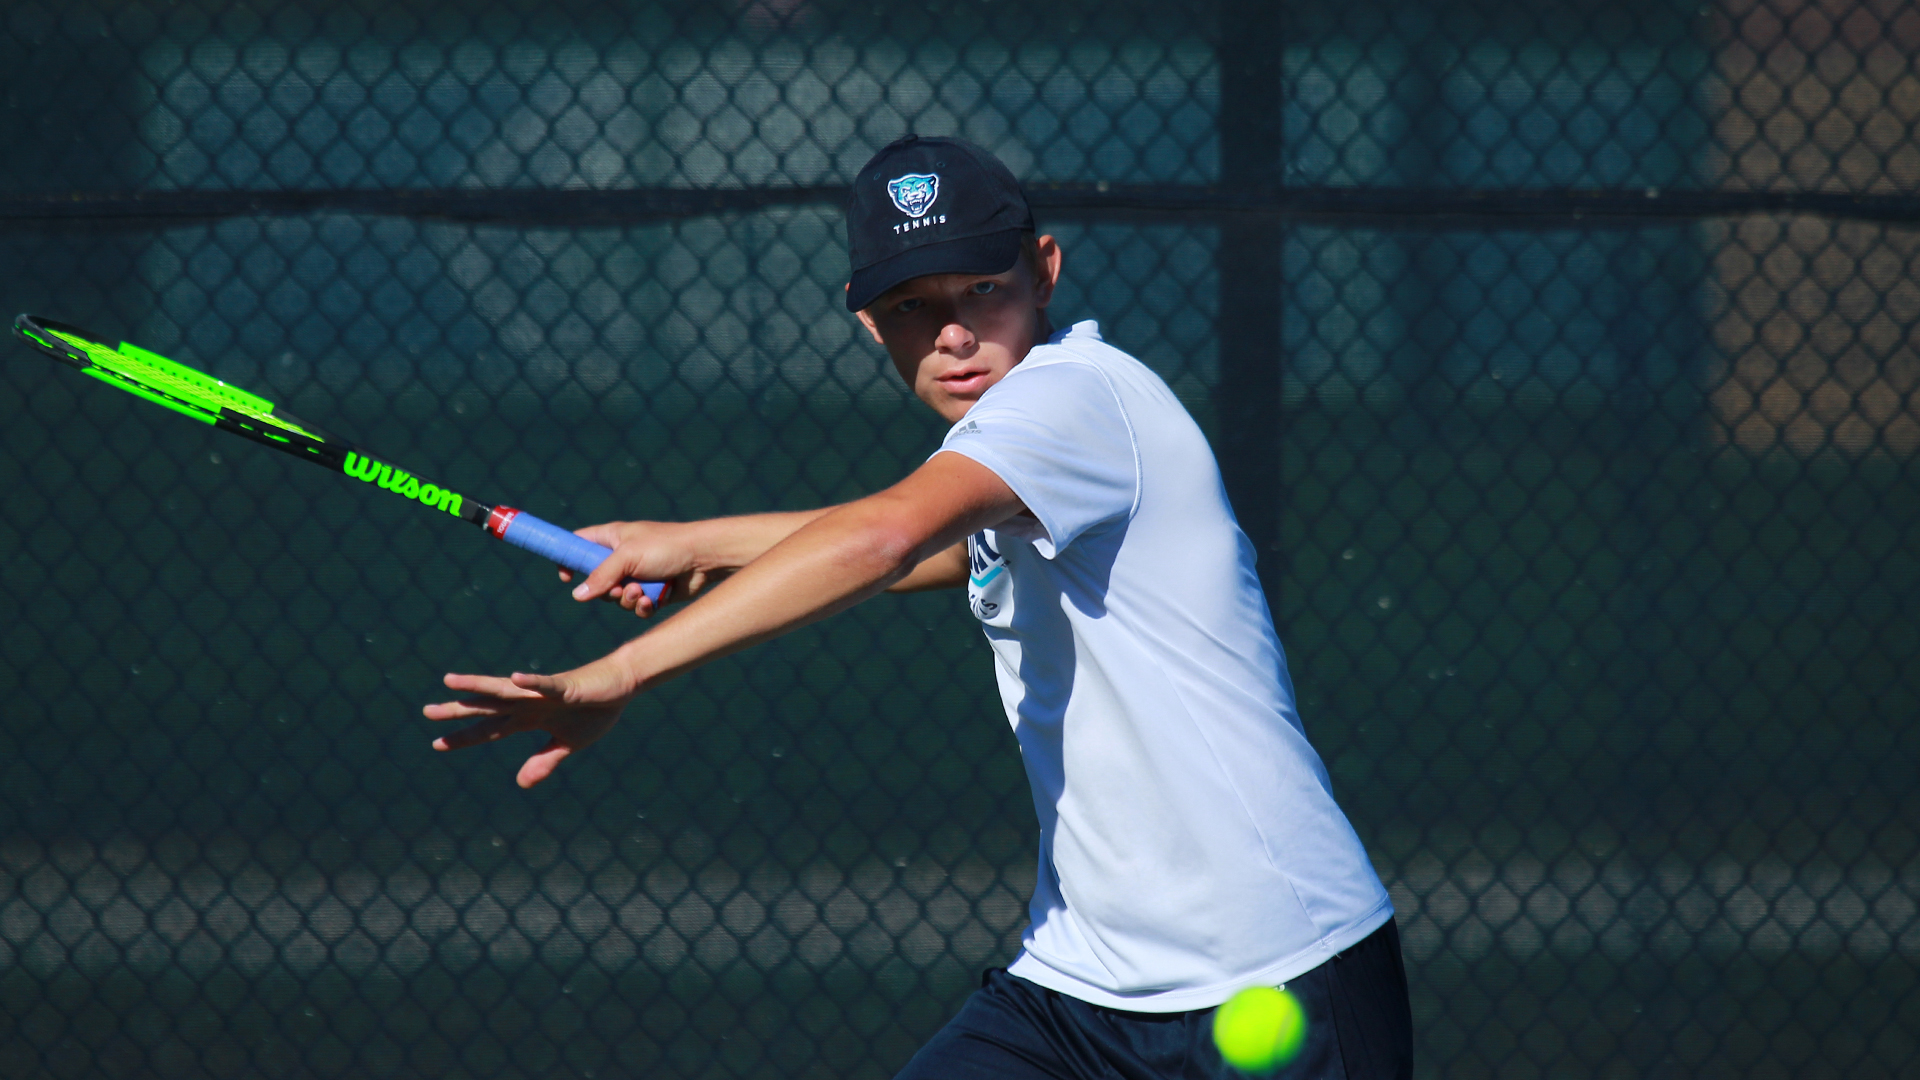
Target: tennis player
point(1190, 844)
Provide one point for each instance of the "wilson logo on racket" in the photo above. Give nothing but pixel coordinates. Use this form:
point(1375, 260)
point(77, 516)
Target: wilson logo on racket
point(401, 483)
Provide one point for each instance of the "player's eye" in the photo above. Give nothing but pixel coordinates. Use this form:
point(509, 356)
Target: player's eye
point(909, 305)
point(982, 288)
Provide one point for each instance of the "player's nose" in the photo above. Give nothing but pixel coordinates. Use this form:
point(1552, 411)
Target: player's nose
point(955, 337)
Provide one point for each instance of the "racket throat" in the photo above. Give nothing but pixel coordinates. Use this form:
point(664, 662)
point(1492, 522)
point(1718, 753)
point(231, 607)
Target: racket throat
point(498, 518)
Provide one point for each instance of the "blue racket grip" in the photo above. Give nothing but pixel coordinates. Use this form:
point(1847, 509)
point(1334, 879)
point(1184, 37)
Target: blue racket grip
point(550, 541)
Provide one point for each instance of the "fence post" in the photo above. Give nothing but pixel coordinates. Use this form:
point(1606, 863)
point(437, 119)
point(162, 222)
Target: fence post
point(1247, 258)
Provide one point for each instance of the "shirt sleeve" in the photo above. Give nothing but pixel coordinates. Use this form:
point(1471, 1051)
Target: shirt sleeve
point(1060, 438)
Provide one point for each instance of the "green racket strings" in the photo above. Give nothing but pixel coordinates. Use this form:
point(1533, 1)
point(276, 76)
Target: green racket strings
point(174, 385)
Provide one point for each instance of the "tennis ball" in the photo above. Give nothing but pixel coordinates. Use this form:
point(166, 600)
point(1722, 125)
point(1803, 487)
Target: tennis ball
point(1259, 1029)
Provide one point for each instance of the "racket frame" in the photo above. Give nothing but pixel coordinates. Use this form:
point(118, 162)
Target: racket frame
point(199, 396)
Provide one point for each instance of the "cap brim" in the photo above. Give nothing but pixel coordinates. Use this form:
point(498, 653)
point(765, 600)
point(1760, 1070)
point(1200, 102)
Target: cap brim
point(994, 253)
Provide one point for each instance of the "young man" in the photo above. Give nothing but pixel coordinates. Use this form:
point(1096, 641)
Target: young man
point(1190, 845)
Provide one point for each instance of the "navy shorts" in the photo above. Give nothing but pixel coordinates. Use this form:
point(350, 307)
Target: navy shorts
point(1359, 1027)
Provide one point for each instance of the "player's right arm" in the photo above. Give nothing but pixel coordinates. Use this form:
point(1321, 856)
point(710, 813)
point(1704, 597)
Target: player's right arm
point(691, 556)
point(834, 562)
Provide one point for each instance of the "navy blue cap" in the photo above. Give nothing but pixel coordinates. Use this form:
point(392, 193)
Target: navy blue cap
point(931, 205)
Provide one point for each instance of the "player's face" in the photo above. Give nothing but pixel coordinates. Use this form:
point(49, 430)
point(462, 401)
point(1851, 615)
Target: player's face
point(952, 336)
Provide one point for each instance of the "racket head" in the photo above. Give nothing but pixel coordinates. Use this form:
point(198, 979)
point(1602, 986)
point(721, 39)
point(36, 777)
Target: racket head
point(169, 383)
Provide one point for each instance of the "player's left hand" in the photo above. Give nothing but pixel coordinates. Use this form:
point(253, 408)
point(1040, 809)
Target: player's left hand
point(573, 707)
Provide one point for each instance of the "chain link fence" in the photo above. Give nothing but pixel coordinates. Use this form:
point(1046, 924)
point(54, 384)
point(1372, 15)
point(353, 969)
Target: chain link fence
point(1561, 357)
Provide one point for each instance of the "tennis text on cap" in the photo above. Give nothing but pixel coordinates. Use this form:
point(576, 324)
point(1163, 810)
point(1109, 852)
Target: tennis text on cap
point(920, 223)
point(401, 483)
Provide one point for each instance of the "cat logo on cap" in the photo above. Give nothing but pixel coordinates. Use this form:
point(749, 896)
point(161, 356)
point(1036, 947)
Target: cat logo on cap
point(914, 193)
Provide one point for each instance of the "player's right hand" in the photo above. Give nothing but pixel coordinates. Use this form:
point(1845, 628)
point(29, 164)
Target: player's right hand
point(643, 551)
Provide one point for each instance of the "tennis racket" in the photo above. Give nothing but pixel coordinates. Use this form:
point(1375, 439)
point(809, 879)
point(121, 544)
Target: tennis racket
point(190, 393)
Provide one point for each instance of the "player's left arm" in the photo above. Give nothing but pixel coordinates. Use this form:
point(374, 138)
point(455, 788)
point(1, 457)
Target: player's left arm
point(946, 569)
point(830, 564)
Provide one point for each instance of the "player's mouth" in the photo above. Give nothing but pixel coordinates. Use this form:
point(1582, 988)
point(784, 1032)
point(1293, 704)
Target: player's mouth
point(964, 382)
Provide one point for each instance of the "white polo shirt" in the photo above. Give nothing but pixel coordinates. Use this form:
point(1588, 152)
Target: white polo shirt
point(1189, 840)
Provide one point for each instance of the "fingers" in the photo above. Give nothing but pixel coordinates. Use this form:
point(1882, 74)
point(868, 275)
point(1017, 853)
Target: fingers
point(627, 594)
point(462, 710)
point(541, 765)
point(692, 584)
point(485, 731)
point(500, 706)
point(637, 554)
point(630, 595)
point(575, 708)
point(604, 578)
point(489, 685)
point(633, 597)
point(607, 535)
point(545, 686)
point(608, 574)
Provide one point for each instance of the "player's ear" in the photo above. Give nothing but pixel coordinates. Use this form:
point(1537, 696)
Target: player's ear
point(1047, 260)
point(866, 320)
